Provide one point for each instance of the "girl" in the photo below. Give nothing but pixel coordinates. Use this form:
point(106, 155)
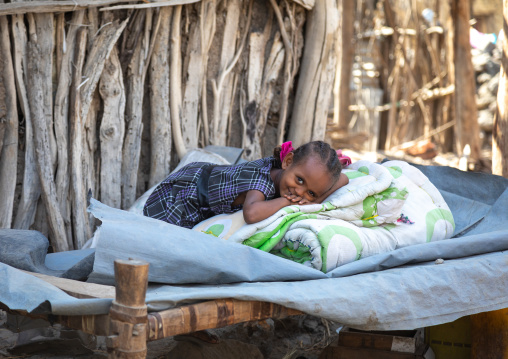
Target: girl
point(201, 190)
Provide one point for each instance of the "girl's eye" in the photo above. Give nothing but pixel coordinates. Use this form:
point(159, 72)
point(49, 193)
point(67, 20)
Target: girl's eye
point(299, 180)
point(312, 194)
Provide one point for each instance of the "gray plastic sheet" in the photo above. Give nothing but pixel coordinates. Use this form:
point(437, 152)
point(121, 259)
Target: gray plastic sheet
point(27, 250)
point(403, 289)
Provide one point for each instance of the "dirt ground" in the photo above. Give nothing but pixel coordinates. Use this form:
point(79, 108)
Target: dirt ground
point(297, 337)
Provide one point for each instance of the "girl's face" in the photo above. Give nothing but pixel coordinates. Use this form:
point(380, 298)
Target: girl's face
point(308, 179)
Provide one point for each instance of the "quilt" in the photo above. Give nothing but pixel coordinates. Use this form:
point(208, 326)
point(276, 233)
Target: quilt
point(384, 207)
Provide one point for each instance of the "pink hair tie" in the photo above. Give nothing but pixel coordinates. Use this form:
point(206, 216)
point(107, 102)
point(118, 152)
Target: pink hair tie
point(286, 147)
point(344, 160)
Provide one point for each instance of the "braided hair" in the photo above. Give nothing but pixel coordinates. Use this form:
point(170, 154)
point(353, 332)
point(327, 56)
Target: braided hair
point(321, 149)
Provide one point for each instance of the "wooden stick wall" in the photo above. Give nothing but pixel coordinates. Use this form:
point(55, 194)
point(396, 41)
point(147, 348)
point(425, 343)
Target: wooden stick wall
point(108, 99)
point(106, 96)
point(422, 66)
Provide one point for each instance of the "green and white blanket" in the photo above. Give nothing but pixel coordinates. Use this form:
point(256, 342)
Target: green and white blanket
point(384, 207)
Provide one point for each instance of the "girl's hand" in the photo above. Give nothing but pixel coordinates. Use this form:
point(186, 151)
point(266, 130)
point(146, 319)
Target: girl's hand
point(295, 199)
point(255, 208)
point(292, 197)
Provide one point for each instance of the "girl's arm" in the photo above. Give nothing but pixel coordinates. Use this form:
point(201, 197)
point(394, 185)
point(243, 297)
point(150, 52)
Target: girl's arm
point(255, 208)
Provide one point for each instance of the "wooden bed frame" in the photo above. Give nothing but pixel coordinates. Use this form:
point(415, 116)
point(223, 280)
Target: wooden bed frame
point(128, 326)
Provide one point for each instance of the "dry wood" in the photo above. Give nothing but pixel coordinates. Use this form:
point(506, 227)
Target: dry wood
point(9, 123)
point(135, 80)
point(272, 70)
point(307, 4)
point(296, 21)
point(197, 55)
point(434, 57)
point(232, 119)
point(44, 30)
point(467, 131)
point(91, 169)
point(31, 189)
point(446, 139)
point(433, 94)
point(3, 111)
point(368, 121)
point(160, 120)
point(112, 131)
point(389, 31)
point(175, 83)
point(35, 95)
point(148, 6)
point(224, 82)
point(61, 119)
point(316, 75)
point(103, 44)
point(394, 95)
point(326, 68)
point(257, 44)
point(207, 21)
point(65, 5)
point(257, 109)
point(405, 115)
point(212, 314)
point(76, 288)
point(59, 41)
point(222, 86)
point(500, 131)
point(93, 25)
point(401, 67)
point(91, 134)
point(40, 221)
point(426, 72)
point(53, 6)
point(432, 133)
point(196, 69)
point(78, 191)
point(345, 54)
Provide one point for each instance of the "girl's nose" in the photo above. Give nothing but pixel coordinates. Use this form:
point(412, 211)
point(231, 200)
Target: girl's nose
point(299, 192)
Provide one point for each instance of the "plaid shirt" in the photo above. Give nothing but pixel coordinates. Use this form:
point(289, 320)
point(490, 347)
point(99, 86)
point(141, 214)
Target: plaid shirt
point(200, 190)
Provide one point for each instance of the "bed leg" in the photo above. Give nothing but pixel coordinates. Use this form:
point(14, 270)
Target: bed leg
point(128, 314)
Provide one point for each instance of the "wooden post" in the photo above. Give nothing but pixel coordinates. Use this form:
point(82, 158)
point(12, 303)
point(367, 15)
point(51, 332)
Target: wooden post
point(467, 132)
point(317, 74)
point(78, 191)
point(446, 138)
point(35, 88)
point(128, 313)
point(31, 188)
point(135, 74)
point(500, 132)
point(345, 54)
point(160, 119)
point(61, 120)
point(8, 127)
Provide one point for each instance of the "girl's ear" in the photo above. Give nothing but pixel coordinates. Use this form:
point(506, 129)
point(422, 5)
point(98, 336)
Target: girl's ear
point(288, 160)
